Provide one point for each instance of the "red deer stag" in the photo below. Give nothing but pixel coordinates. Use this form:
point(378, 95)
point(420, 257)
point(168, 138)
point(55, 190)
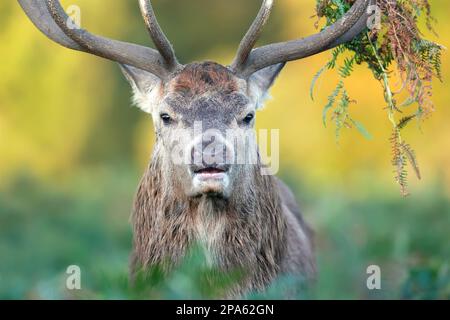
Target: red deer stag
point(244, 219)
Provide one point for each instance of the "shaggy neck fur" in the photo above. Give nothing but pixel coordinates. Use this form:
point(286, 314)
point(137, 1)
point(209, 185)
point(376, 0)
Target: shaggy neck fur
point(245, 232)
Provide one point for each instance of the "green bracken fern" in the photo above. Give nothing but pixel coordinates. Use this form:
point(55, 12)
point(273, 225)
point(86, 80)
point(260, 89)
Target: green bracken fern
point(397, 45)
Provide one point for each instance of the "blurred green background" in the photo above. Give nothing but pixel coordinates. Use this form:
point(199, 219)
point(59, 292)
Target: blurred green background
point(72, 150)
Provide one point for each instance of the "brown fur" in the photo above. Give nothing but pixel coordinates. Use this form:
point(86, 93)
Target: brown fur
point(249, 231)
point(251, 225)
point(198, 78)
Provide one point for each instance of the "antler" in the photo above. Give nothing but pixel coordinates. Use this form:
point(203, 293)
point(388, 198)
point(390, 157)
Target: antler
point(252, 35)
point(159, 38)
point(49, 17)
point(345, 29)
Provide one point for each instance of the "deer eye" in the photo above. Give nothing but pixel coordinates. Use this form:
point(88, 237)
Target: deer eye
point(248, 118)
point(165, 118)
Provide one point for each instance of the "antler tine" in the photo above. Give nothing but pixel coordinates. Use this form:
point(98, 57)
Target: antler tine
point(252, 35)
point(344, 30)
point(51, 19)
point(159, 38)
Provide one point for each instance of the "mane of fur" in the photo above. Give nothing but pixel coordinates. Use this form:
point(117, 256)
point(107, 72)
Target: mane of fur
point(245, 232)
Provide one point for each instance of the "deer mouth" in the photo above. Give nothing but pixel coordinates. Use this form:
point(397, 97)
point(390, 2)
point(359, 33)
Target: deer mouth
point(211, 173)
point(210, 180)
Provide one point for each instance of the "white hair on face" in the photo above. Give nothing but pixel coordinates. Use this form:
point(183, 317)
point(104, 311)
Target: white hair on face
point(260, 83)
point(145, 86)
point(258, 95)
point(145, 99)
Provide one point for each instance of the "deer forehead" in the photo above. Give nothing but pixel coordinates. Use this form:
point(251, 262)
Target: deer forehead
point(206, 90)
point(198, 78)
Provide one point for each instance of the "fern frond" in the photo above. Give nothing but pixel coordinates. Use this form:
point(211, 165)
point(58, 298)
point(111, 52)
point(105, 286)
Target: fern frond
point(340, 114)
point(335, 54)
point(405, 121)
point(411, 156)
point(314, 80)
point(347, 68)
point(331, 101)
point(399, 162)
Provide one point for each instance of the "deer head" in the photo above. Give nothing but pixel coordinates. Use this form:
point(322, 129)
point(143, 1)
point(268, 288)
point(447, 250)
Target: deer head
point(179, 97)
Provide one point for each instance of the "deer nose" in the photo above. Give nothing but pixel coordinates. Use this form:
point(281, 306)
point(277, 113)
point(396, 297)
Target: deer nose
point(213, 154)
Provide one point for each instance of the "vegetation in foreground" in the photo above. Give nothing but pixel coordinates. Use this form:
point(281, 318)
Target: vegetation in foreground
point(44, 230)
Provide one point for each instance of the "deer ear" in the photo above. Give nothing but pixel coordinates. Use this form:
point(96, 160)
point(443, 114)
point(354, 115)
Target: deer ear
point(143, 83)
point(260, 82)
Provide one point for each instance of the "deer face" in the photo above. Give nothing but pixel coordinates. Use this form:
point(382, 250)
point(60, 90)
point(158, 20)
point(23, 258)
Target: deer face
point(204, 119)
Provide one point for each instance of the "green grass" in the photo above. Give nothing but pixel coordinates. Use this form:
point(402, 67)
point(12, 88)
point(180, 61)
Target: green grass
point(44, 229)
